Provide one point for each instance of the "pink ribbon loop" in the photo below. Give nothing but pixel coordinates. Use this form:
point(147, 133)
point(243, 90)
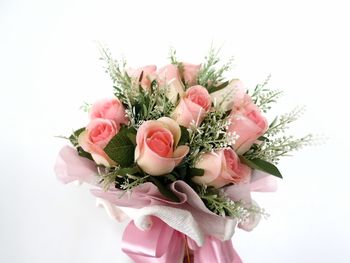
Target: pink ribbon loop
point(163, 244)
point(159, 244)
point(216, 251)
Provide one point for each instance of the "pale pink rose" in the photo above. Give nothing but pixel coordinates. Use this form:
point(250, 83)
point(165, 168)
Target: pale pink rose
point(174, 90)
point(247, 121)
point(167, 74)
point(190, 73)
point(96, 137)
point(242, 103)
point(156, 151)
point(221, 168)
point(148, 75)
point(169, 79)
point(233, 94)
point(249, 124)
point(193, 106)
point(110, 109)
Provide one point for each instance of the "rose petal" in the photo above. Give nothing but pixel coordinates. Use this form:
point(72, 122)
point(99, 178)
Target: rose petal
point(211, 163)
point(98, 154)
point(173, 127)
point(188, 112)
point(141, 132)
point(152, 163)
point(167, 73)
point(180, 153)
point(248, 133)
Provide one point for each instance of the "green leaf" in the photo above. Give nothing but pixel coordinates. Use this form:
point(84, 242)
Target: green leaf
point(221, 86)
point(164, 190)
point(262, 165)
point(84, 154)
point(185, 136)
point(74, 140)
point(154, 85)
point(180, 171)
point(132, 137)
point(273, 122)
point(171, 177)
point(131, 134)
point(141, 76)
point(263, 139)
point(195, 172)
point(74, 137)
point(121, 149)
point(129, 170)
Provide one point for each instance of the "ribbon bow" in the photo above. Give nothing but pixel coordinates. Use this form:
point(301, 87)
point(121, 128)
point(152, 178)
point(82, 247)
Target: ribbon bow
point(163, 244)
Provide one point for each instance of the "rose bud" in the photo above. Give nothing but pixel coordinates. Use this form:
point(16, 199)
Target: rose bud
point(156, 151)
point(110, 109)
point(221, 168)
point(95, 138)
point(193, 107)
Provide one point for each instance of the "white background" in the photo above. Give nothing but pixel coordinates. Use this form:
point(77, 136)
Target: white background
point(49, 66)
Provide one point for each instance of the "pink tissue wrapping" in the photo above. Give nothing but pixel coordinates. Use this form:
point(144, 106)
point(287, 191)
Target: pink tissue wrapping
point(70, 166)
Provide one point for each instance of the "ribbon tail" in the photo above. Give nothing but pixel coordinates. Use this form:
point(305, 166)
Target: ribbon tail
point(159, 244)
point(216, 251)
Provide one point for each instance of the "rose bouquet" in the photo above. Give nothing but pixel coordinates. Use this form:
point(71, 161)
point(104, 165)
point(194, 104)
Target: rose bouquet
point(179, 150)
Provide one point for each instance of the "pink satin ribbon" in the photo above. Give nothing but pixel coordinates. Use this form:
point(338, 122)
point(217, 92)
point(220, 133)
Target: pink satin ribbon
point(163, 244)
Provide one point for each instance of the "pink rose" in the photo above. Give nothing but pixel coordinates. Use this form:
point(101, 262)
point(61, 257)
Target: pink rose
point(242, 102)
point(167, 73)
point(193, 106)
point(95, 138)
point(247, 120)
point(110, 109)
point(190, 73)
point(148, 75)
point(169, 79)
point(249, 124)
point(170, 72)
point(221, 168)
point(233, 94)
point(157, 152)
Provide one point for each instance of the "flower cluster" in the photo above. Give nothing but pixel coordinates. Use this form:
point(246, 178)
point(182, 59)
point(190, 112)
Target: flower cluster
point(182, 122)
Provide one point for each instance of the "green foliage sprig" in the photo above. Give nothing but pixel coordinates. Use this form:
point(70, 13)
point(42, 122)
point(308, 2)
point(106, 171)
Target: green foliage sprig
point(211, 74)
point(152, 105)
point(275, 144)
point(222, 205)
point(272, 150)
point(172, 56)
point(141, 105)
point(86, 107)
point(210, 135)
point(263, 97)
point(122, 178)
point(281, 123)
point(121, 80)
